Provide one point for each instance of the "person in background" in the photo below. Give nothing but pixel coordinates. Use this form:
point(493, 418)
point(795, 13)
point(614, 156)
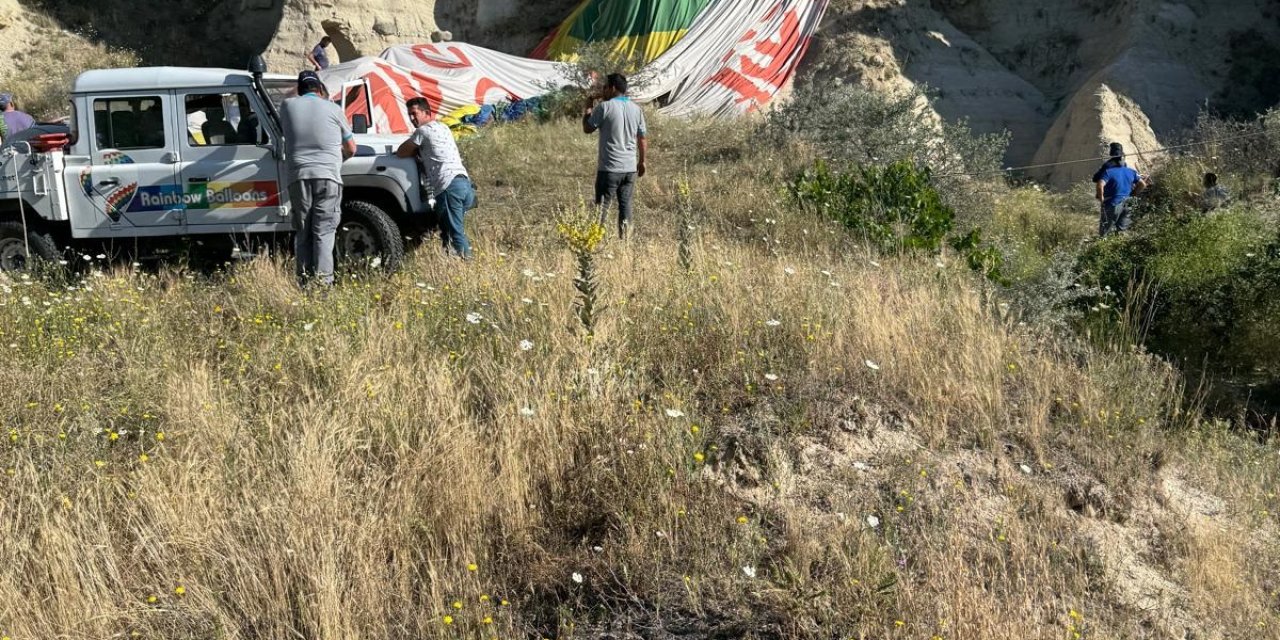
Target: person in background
point(319, 55)
point(1214, 195)
point(622, 150)
point(432, 142)
point(1115, 183)
point(317, 141)
point(14, 120)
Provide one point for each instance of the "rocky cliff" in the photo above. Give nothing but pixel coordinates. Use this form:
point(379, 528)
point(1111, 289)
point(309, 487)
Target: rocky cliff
point(1063, 77)
point(227, 32)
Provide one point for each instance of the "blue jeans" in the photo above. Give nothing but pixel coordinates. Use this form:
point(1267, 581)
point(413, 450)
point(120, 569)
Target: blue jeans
point(1115, 218)
point(451, 207)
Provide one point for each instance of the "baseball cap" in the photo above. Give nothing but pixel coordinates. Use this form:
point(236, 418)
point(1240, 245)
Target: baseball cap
point(309, 78)
point(5, 99)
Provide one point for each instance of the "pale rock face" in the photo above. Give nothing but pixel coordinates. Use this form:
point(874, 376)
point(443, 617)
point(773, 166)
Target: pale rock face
point(357, 29)
point(1063, 77)
point(1096, 117)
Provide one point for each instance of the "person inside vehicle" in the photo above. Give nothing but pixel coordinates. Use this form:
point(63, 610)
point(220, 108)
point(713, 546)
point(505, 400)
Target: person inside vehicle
point(216, 130)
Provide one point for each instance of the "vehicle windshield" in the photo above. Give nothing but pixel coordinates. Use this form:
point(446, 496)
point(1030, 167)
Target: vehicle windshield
point(279, 90)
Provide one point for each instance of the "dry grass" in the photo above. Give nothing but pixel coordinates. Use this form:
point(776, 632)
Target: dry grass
point(41, 69)
point(332, 465)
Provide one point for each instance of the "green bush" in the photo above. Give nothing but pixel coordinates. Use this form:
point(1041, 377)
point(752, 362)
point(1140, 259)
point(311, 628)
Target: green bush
point(1212, 293)
point(848, 126)
point(894, 208)
point(1032, 226)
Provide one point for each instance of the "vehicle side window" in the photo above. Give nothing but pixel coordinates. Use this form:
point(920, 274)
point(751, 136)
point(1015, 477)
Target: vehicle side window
point(129, 123)
point(222, 119)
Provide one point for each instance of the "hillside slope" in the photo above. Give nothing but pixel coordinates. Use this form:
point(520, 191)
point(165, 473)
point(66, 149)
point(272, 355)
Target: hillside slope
point(789, 440)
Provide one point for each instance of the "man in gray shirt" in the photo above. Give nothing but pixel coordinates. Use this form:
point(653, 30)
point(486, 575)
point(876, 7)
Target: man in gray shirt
point(317, 141)
point(622, 149)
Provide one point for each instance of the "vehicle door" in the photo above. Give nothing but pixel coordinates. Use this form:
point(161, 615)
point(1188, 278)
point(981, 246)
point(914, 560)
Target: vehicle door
point(129, 182)
point(357, 105)
point(228, 164)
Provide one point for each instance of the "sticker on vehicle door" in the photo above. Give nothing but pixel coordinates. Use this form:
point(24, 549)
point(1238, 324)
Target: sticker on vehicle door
point(130, 198)
point(211, 195)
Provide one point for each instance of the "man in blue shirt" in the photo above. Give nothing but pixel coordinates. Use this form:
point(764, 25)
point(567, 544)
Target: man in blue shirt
point(1115, 183)
point(319, 56)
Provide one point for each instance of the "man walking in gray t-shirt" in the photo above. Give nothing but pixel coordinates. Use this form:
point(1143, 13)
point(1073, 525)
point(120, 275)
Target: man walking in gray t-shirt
point(317, 141)
point(622, 149)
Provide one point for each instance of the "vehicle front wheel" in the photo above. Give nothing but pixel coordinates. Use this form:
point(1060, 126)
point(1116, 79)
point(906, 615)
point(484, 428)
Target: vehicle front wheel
point(369, 236)
point(13, 247)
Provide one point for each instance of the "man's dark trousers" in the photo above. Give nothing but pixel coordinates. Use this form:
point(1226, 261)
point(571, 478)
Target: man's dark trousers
point(619, 186)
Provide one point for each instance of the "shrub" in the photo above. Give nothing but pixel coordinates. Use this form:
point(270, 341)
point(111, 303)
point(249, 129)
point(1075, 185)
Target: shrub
point(848, 126)
point(585, 74)
point(1032, 227)
point(1214, 286)
point(894, 208)
point(1247, 151)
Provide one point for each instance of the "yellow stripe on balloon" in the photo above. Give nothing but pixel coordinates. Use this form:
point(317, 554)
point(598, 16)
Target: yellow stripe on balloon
point(651, 46)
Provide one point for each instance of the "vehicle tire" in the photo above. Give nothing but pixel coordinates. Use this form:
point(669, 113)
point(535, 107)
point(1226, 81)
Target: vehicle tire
point(367, 235)
point(13, 247)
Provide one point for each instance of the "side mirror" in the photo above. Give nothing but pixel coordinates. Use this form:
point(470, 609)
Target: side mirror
point(360, 123)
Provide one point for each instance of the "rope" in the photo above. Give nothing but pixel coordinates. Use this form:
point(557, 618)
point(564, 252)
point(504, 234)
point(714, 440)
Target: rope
point(22, 206)
point(1099, 159)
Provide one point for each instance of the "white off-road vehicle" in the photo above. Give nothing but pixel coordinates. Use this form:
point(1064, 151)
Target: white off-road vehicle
point(151, 155)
